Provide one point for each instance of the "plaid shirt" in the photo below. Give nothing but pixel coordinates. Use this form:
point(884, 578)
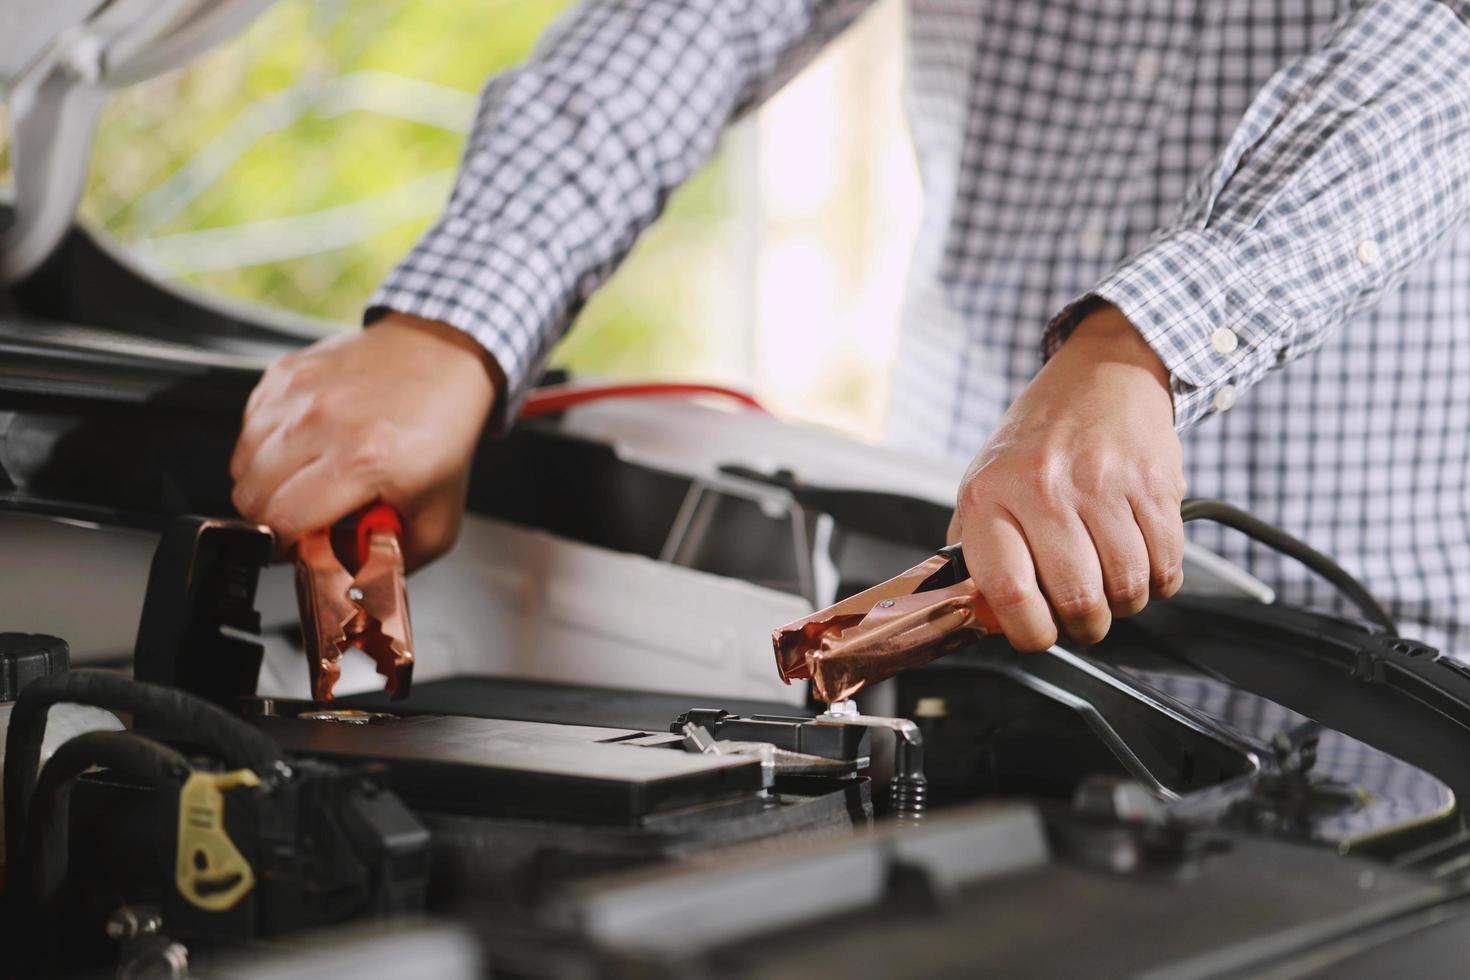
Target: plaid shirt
point(1250, 181)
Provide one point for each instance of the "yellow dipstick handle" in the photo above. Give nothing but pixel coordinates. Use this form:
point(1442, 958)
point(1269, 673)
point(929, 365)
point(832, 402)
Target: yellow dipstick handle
point(210, 871)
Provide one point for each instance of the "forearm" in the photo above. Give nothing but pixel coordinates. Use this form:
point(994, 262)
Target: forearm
point(1351, 164)
point(574, 154)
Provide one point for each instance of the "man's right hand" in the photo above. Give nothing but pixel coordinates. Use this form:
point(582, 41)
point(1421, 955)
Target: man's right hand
point(390, 414)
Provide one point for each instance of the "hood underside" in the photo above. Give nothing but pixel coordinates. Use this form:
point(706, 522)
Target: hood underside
point(58, 62)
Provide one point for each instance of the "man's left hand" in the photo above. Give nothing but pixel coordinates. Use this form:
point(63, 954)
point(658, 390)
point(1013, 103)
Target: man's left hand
point(1070, 513)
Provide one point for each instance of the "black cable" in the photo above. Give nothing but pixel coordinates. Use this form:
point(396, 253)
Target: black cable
point(42, 861)
point(232, 740)
point(35, 870)
point(1275, 538)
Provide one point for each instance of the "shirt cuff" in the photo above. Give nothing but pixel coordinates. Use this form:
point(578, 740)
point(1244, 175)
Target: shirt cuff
point(494, 285)
point(1198, 308)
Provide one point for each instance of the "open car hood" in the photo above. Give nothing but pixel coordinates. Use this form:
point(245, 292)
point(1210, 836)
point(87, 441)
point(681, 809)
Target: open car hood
point(58, 62)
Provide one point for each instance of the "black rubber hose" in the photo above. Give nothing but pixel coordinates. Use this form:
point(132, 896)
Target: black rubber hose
point(1275, 538)
point(232, 740)
point(39, 865)
point(42, 834)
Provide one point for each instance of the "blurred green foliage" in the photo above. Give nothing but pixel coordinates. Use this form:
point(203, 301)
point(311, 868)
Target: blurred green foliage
point(266, 127)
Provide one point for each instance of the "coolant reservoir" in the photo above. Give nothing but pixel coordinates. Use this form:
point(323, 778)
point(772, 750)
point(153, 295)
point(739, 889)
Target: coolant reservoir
point(25, 657)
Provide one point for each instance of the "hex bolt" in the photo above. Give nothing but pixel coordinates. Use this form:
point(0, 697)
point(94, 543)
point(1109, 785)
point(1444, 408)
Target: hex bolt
point(129, 922)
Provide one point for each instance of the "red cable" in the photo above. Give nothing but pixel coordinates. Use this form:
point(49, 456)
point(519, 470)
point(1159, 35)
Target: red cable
point(556, 398)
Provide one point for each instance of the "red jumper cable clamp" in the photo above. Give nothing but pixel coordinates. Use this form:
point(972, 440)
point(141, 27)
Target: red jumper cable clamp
point(358, 602)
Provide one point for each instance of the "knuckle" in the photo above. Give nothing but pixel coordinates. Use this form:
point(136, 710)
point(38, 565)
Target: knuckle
point(1168, 571)
point(366, 462)
point(1047, 496)
point(1051, 473)
point(1128, 588)
point(980, 489)
point(970, 498)
point(1162, 483)
point(1092, 473)
point(1167, 580)
point(287, 374)
point(1168, 566)
point(373, 451)
point(1006, 591)
point(278, 371)
point(307, 383)
point(382, 434)
point(320, 409)
point(309, 416)
point(320, 406)
point(1077, 604)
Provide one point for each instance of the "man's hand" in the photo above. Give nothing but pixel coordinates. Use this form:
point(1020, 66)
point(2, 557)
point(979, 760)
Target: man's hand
point(391, 413)
point(1072, 507)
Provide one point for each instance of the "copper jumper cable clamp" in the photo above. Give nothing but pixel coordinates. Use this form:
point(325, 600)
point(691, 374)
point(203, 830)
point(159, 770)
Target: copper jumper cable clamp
point(896, 625)
point(350, 588)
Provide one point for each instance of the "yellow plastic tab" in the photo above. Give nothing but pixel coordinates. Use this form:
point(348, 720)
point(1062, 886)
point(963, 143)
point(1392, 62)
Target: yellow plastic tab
point(211, 872)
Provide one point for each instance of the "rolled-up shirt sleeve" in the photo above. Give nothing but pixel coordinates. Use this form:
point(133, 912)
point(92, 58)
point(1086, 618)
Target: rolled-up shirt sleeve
point(1347, 168)
point(575, 152)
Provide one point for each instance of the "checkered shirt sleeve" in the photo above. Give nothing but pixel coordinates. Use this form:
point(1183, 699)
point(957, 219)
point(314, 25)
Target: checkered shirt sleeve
point(574, 153)
point(1347, 168)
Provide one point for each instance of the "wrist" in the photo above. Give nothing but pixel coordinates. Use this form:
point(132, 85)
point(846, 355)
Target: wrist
point(1106, 334)
point(451, 345)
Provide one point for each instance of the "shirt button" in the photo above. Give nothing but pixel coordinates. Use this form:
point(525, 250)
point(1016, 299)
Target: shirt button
point(1091, 238)
point(1224, 340)
point(1368, 253)
point(1147, 69)
point(1225, 398)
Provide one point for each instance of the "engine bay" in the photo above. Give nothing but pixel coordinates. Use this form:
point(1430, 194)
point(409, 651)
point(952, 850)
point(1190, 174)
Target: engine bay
point(1267, 782)
point(598, 772)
